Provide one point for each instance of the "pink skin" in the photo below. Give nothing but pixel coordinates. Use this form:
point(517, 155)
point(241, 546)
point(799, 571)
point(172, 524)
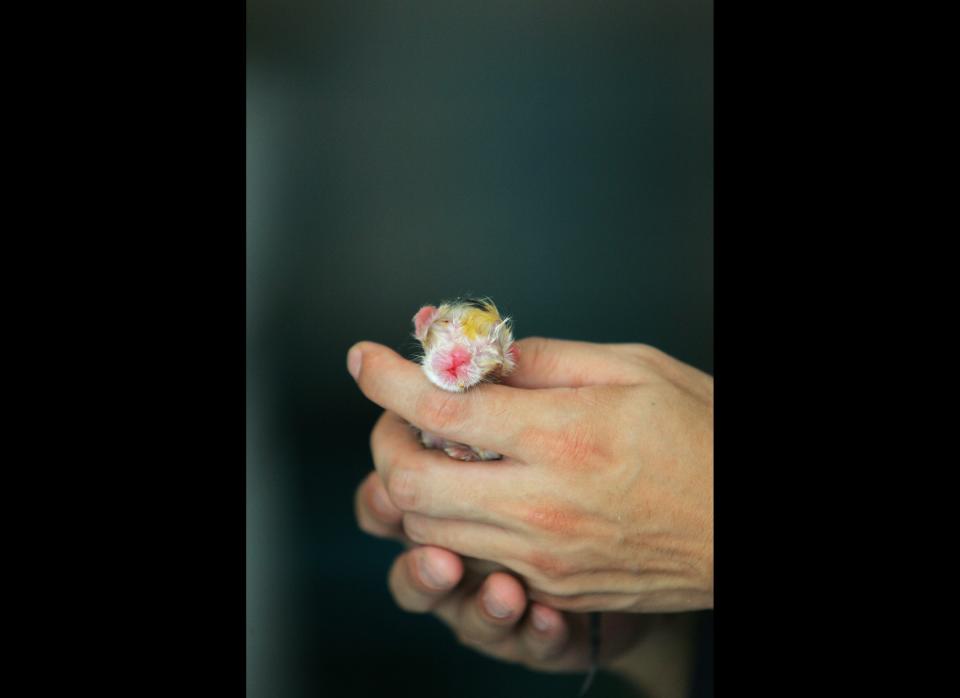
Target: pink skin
point(604, 498)
point(455, 361)
point(488, 608)
point(509, 614)
point(454, 364)
point(422, 321)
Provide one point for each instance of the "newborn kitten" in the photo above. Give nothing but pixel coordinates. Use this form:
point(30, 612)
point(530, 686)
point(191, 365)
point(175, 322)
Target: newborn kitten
point(465, 342)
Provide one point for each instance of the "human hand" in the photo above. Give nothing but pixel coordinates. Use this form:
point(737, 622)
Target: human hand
point(603, 500)
point(488, 611)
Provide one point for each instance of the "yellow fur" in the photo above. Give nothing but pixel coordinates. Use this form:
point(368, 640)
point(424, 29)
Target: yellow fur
point(477, 322)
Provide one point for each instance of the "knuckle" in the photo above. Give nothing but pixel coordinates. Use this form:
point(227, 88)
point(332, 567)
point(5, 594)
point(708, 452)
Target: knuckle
point(580, 443)
point(404, 488)
point(533, 345)
point(536, 355)
point(576, 444)
point(553, 584)
point(639, 348)
point(562, 569)
point(549, 597)
point(637, 360)
point(551, 588)
point(557, 520)
point(573, 602)
point(441, 411)
point(413, 529)
point(643, 352)
point(549, 568)
point(646, 356)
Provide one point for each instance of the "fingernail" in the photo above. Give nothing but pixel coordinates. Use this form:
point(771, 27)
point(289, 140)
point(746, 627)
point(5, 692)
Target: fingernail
point(354, 359)
point(540, 621)
point(430, 575)
point(495, 607)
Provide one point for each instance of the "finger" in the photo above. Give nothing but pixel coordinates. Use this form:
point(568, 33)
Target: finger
point(560, 363)
point(489, 614)
point(593, 601)
point(677, 372)
point(544, 633)
point(375, 513)
point(566, 649)
point(618, 632)
point(421, 578)
point(468, 538)
point(430, 482)
point(491, 417)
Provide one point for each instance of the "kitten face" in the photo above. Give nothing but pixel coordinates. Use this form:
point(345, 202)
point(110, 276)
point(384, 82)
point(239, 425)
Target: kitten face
point(464, 343)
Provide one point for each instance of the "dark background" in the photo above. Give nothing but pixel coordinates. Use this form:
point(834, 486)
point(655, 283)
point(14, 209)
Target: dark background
point(557, 156)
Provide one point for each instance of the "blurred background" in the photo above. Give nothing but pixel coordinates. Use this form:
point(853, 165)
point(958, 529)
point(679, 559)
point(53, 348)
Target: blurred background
point(556, 156)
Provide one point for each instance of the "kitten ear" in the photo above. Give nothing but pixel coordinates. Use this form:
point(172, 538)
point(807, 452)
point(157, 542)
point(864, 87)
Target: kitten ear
point(422, 321)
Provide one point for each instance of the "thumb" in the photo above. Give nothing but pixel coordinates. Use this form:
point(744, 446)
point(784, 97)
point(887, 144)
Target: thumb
point(560, 363)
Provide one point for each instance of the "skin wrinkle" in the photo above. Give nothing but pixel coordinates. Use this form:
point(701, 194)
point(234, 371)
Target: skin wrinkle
point(673, 553)
point(608, 577)
point(369, 522)
point(571, 365)
point(441, 412)
point(625, 468)
point(488, 510)
point(675, 558)
point(418, 526)
point(586, 602)
point(629, 597)
point(551, 566)
point(573, 446)
point(657, 363)
point(625, 532)
point(403, 489)
point(538, 361)
point(557, 519)
point(378, 501)
point(493, 400)
point(494, 405)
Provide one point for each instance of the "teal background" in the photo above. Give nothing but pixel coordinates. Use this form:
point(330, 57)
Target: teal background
point(557, 156)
